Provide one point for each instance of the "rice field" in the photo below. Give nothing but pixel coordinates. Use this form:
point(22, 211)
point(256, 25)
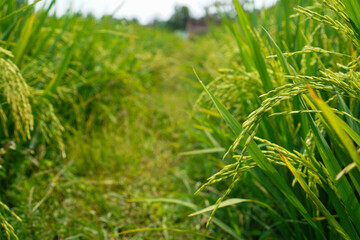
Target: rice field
point(114, 130)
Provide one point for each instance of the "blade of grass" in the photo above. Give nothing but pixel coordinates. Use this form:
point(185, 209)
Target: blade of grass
point(62, 69)
point(18, 11)
point(21, 46)
point(137, 230)
point(354, 125)
point(353, 9)
point(203, 151)
point(279, 53)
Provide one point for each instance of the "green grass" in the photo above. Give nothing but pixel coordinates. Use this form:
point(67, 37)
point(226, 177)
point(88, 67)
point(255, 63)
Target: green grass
point(109, 111)
point(103, 138)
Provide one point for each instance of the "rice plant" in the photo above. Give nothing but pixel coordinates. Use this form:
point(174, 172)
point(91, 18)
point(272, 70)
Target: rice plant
point(298, 149)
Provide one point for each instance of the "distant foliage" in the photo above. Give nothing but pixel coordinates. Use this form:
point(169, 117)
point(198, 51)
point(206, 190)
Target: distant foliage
point(179, 19)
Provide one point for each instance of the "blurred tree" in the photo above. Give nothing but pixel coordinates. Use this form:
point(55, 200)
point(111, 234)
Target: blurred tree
point(179, 19)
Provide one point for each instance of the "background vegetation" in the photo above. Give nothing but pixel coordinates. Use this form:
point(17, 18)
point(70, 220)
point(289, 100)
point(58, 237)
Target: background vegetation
point(106, 134)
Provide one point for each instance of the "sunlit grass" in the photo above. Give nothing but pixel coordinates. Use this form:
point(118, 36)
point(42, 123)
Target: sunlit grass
point(102, 136)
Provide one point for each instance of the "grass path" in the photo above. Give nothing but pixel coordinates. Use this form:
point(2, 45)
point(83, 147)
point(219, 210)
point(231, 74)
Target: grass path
point(87, 197)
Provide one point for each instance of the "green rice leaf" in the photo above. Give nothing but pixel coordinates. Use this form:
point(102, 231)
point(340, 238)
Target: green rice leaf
point(234, 201)
point(338, 127)
point(256, 54)
point(315, 199)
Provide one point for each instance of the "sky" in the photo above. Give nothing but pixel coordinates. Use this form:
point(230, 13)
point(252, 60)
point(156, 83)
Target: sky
point(143, 10)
